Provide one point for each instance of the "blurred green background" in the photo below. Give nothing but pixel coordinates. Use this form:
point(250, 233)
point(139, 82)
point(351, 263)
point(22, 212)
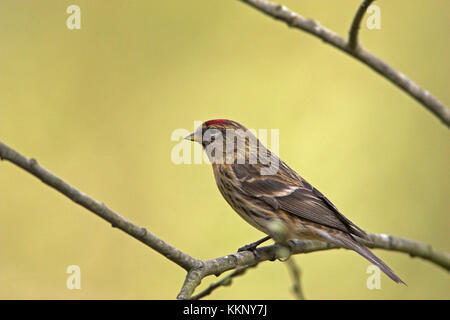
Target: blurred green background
point(97, 107)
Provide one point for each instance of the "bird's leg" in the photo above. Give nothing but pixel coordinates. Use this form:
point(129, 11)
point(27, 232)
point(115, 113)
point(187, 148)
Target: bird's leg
point(252, 246)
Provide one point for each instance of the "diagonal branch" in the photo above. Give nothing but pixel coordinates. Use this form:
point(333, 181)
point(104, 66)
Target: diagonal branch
point(353, 34)
point(270, 253)
point(226, 281)
point(295, 272)
point(239, 271)
point(31, 166)
point(197, 269)
point(312, 27)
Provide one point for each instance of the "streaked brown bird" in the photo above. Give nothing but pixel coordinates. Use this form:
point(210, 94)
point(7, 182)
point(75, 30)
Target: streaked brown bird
point(262, 189)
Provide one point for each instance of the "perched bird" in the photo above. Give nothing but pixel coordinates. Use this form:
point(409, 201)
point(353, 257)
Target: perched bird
point(261, 188)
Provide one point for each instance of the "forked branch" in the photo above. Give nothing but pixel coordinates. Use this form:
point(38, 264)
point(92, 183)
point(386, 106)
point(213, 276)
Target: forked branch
point(312, 27)
point(198, 269)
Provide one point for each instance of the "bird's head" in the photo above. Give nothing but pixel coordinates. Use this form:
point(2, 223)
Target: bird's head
point(227, 141)
point(212, 131)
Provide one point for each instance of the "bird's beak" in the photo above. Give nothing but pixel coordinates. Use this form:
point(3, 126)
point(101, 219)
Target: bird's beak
point(190, 137)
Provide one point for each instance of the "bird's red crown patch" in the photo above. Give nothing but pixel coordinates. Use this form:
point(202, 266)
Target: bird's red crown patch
point(216, 121)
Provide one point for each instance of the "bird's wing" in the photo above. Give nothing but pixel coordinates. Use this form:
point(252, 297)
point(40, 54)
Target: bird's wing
point(286, 190)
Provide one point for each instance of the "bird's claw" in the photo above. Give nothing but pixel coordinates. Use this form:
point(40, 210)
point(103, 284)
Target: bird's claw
point(252, 249)
point(247, 247)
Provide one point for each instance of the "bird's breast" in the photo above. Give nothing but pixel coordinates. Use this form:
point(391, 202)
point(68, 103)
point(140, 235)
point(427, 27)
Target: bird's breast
point(253, 210)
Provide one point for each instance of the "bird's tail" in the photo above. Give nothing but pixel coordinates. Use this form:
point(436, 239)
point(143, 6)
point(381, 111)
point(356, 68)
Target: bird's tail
point(351, 243)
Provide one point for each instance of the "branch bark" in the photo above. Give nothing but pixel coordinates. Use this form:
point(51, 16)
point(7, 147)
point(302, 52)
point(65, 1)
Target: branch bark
point(240, 259)
point(198, 269)
point(31, 166)
point(226, 281)
point(295, 274)
point(312, 27)
point(353, 34)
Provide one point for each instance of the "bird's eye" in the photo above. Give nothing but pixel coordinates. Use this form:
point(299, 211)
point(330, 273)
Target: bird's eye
point(212, 135)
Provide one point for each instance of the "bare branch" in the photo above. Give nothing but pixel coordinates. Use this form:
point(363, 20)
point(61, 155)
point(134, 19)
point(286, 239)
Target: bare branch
point(377, 241)
point(353, 34)
point(312, 27)
point(226, 281)
point(30, 165)
point(295, 274)
point(197, 269)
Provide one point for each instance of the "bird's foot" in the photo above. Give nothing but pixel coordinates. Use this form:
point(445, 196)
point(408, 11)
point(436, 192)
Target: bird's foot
point(252, 247)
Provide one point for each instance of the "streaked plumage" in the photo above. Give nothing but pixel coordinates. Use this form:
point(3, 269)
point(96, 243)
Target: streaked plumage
point(283, 196)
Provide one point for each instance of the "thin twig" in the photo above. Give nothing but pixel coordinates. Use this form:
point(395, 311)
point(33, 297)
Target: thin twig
point(312, 27)
point(353, 33)
point(197, 269)
point(270, 253)
point(225, 281)
point(295, 275)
